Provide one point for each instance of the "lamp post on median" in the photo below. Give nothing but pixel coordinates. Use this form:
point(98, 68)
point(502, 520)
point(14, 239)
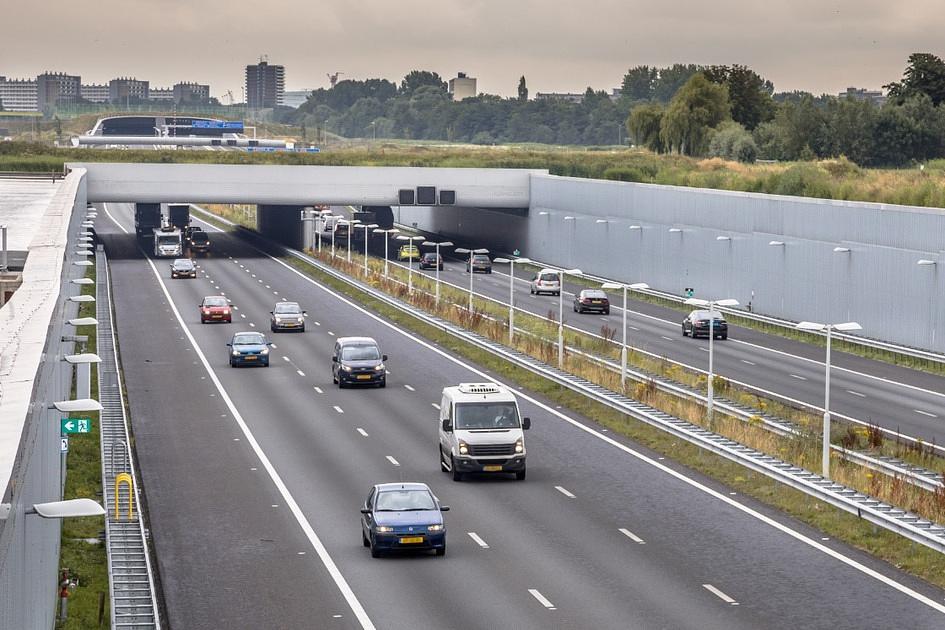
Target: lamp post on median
point(469, 267)
point(561, 274)
point(710, 304)
point(410, 240)
point(386, 240)
point(366, 227)
point(338, 219)
point(638, 286)
point(846, 326)
point(352, 224)
point(511, 262)
point(438, 259)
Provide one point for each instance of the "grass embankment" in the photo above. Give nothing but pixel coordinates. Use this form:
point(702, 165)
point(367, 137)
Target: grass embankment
point(830, 179)
point(87, 561)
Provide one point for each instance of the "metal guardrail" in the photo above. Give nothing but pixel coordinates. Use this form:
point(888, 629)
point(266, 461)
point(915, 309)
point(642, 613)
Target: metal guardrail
point(54, 176)
point(131, 579)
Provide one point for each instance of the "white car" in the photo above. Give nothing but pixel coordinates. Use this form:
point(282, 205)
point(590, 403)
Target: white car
point(546, 281)
point(481, 430)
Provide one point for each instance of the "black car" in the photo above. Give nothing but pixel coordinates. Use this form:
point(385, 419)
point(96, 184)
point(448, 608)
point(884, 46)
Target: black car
point(358, 360)
point(593, 300)
point(696, 324)
point(431, 260)
point(480, 263)
point(183, 268)
point(199, 241)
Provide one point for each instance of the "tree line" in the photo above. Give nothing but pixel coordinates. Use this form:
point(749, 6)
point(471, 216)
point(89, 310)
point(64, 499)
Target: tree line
point(717, 111)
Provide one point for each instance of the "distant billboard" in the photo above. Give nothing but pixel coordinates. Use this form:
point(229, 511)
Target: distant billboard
point(217, 124)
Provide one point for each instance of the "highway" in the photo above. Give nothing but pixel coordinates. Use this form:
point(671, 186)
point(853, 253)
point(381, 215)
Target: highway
point(254, 478)
point(894, 397)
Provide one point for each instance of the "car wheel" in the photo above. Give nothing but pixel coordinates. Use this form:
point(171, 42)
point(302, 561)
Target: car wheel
point(232, 364)
point(557, 293)
point(520, 475)
point(607, 311)
point(684, 333)
point(272, 328)
point(725, 336)
point(266, 364)
point(364, 540)
point(439, 454)
point(383, 383)
point(302, 329)
point(457, 476)
point(441, 551)
point(531, 290)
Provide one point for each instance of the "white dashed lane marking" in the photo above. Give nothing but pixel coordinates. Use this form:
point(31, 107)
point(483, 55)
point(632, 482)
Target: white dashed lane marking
point(339, 409)
point(409, 388)
point(252, 325)
point(541, 599)
point(300, 372)
point(925, 413)
point(725, 598)
point(632, 536)
point(479, 541)
point(435, 406)
point(666, 338)
point(393, 461)
point(747, 362)
point(850, 391)
point(362, 432)
point(800, 378)
point(564, 492)
point(318, 389)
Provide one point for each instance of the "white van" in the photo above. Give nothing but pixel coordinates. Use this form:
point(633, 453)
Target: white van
point(546, 281)
point(481, 430)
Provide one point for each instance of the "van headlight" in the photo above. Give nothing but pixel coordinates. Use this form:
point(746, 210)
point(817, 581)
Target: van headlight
point(346, 368)
point(380, 367)
point(463, 448)
point(519, 446)
point(236, 352)
point(435, 528)
point(265, 351)
point(384, 529)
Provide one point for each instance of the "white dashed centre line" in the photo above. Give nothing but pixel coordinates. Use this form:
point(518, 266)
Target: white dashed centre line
point(409, 388)
point(435, 406)
point(317, 323)
point(666, 338)
point(564, 492)
point(850, 391)
point(318, 389)
point(331, 333)
point(725, 598)
point(393, 461)
point(925, 413)
point(632, 327)
point(703, 349)
point(747, 362)
point(300, 372)
point(479, 541)
point(243, 315)
point(339, 409)
point(268, 287)
point(632, 536)
point(800, 378)
point(362, 432)
point(285, 358)
point(252, 325)
point(542, 599)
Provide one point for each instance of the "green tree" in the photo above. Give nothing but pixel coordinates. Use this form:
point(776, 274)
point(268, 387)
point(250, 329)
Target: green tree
point(638, 83)
point(697, 107)
point(522, 89)
point(731, 141)
point(416, 79)
point(925, 74)
point(670, 80)
point(643, 126)
point(799, 130)
point(748, 92)
point(851, 124)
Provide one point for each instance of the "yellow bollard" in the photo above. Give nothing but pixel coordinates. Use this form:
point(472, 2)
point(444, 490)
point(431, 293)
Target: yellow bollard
point(120, 479)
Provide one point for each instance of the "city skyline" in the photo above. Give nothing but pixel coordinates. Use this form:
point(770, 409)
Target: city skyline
point(807, 45)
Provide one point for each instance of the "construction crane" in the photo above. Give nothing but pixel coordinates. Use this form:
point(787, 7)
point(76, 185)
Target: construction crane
point(333, 78)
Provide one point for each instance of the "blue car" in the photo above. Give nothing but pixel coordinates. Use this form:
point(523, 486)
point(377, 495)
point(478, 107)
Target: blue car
point(403, 517)
point(249, 348)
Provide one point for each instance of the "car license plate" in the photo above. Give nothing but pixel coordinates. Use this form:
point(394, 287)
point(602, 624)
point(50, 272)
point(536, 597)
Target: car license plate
point(492, 468)
point(595, 302)
point(364, 377)
point(411, 540)
point(250, 358)
point(216, 316)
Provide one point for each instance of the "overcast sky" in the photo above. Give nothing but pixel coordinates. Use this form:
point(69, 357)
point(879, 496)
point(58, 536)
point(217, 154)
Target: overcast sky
point(814, 45)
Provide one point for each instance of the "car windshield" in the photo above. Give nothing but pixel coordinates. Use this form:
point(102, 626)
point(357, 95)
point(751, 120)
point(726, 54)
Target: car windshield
point(705, 315)
point(248, 339)
point(200, 237)
point(183, 264)
point(497, 415)
point(287, 308)
point(480, 258)
point(429, 256)
point(409, 248)
point(214, 301)
point(360, 353)
point(593, 293)
point(404, 500)
point(548, 277)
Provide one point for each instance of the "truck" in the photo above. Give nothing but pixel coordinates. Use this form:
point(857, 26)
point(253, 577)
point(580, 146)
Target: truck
point(168, 242)
point(179, 217)
point(147, 218)
point(364, 216)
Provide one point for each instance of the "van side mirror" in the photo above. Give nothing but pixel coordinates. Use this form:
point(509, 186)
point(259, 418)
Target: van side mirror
point(444, 508)
point(334, 359)
point(447, 425)
point(304, 312)
point(229, 344)
point(526, 423)
point(365, 510)
point(383, 357)
point(271, 313)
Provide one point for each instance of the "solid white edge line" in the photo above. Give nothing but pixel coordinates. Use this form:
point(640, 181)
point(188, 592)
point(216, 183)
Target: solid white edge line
point(307, 528)
point(479, 541)
point(905, 590)
point(725, 598)
point(632, 536)
point(564, 492)
point(541, 598)
point(392, 460)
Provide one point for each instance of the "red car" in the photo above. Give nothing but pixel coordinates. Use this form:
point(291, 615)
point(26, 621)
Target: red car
point(215, 308)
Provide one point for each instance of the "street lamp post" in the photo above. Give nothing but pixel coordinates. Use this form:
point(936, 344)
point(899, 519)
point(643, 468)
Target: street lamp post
point(339, 218)
point(366, 227)
point(437, 245)
point(828, 328)
point(511, 262)
point(711, 304)
point(410, 240)
point(561, 274)
point(386, 234)
point(463, 250)
point(638, 286)
point(352, 224)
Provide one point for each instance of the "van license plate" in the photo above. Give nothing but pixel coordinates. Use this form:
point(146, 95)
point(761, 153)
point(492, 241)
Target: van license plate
point(492, 468)
point(411, 540)
point(364, 377)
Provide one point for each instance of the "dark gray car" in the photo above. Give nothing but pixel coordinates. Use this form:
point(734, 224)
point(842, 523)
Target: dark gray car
point(358, 361)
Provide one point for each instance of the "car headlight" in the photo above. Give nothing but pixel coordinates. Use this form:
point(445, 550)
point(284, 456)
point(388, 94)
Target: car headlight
point(379, 368)
point(435, 528)
point(265, 351)
point(300, 320)
point(346, 368)
point(226, 311)
point(519, 446)
point(463, 448)
point(236, 353)
point(384, 529)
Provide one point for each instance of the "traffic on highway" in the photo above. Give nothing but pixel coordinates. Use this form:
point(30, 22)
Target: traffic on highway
point(258, 480)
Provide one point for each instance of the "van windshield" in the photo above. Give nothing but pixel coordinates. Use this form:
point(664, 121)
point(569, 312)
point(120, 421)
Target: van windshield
point(360, 353)
point(497, 415)
point(549, 277)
